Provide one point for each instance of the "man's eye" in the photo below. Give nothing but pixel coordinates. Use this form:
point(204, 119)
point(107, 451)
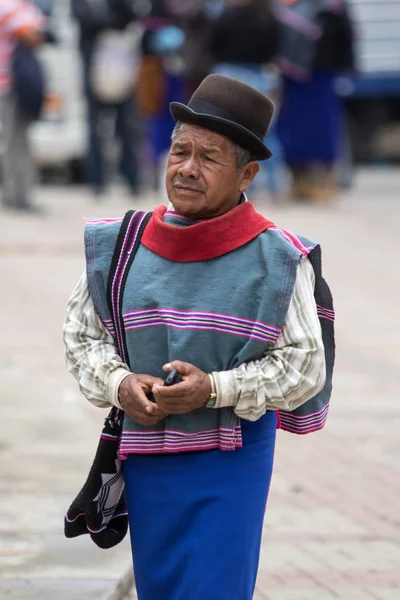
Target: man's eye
point(209, 159)
point(180, 153)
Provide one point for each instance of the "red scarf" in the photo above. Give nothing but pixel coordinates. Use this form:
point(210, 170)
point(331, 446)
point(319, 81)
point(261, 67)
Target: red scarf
point(206, 239)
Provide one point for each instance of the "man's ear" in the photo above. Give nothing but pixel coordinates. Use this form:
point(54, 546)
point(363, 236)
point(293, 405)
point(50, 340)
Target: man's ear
point(248, 174)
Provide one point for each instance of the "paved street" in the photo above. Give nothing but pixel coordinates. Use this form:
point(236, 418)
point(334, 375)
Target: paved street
point(333, 527)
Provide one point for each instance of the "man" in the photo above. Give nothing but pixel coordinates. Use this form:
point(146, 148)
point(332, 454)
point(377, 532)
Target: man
point(94, 18)
point(20, 21)
point(227, 299)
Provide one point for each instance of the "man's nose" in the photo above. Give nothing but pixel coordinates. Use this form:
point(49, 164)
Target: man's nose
point(189, 167)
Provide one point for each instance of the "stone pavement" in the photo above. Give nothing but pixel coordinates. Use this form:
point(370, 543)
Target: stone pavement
point(332, 527)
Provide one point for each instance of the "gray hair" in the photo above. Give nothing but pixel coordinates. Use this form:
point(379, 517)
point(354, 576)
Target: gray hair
point(243, 156)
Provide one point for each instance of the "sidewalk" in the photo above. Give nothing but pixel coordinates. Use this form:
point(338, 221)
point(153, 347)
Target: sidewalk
point(332, 527)
point(49, 432)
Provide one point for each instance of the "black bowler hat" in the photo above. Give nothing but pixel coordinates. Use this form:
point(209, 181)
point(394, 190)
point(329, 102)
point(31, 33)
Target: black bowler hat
point(231, 108)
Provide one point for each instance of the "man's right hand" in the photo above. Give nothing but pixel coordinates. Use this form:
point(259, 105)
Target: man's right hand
point(133, 400)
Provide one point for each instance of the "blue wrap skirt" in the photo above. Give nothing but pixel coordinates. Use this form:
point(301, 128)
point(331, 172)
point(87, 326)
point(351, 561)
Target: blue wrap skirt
point(196, 518)
point(310, 124)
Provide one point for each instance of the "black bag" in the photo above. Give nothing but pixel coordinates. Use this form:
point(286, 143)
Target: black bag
point(29, 81)
point(100, 507)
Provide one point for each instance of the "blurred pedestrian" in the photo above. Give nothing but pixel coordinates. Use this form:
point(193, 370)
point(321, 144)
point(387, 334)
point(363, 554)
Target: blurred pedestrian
point(21, 23)
point(97, 19)
point(160, 81)
point(195, 18)
point(229, 301)
point(316, 45)
point(253, 23)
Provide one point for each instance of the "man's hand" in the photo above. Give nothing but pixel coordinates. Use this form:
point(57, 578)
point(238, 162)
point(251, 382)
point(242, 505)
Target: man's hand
point(132, 398)
point(192, 392)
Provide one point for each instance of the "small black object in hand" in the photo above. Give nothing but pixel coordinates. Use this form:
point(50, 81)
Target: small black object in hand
point(172, 377)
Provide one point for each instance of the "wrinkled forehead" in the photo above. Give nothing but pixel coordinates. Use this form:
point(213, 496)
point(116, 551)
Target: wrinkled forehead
point(202, 137)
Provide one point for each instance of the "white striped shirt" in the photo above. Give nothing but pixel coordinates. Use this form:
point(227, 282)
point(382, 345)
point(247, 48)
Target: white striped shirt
point(16, 17)
point(291, 372)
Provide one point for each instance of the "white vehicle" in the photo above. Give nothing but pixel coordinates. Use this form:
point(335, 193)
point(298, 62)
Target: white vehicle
point(59, 138)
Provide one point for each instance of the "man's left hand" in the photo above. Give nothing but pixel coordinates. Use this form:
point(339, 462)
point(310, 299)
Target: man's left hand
point(192, 392)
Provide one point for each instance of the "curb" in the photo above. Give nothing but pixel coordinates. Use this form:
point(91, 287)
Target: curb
point(124, 586)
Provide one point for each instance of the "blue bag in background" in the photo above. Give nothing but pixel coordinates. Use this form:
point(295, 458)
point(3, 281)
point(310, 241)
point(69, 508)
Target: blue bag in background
point(29, 81)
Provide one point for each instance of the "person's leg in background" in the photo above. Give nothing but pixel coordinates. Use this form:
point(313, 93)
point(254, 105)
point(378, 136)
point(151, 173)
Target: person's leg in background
point(17, 162)
point(95, 163)
point(345, 162)
point(25, 167)
point(95, 174)
point(7, 163)
point(125, 131)
point(302, 185)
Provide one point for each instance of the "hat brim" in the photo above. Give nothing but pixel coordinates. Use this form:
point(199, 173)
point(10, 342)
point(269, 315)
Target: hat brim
point(235, 132)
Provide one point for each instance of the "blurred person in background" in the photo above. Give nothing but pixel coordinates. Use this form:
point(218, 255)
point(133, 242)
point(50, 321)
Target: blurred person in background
point(195, 18)
point(316, 45)
point(243, 43)
point(94, 19)
point(176, 59)
point(20, 23)
point(160, 81)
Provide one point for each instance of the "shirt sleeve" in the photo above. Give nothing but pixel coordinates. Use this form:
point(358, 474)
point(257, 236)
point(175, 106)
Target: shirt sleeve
point(91, 355)
point(291, 372)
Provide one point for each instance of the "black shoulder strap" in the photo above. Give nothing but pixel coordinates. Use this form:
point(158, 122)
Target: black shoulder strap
point(127, 244)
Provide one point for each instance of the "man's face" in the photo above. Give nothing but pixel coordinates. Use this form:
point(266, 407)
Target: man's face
point(202, 179)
